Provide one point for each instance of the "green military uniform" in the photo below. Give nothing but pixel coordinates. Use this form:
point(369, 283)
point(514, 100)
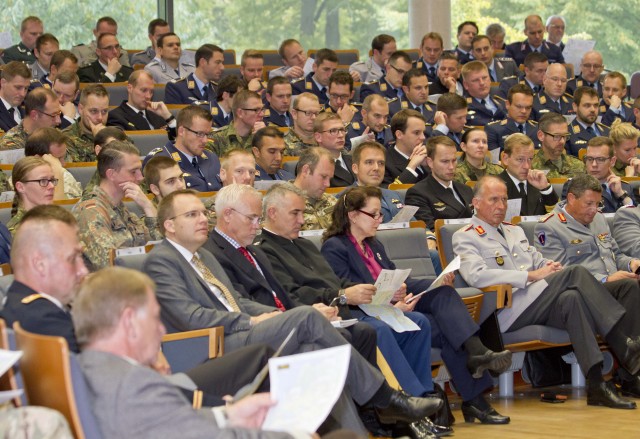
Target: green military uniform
point(227, 138)
point(80, 146)
point(465, 171)
point(567, 167)
point(317, 213)
point(104, 227)
point(15, 138)
point(618, 169)
point(18, 52)
point(88, 189)
point(15, 220)
point(294, 144)
point(5, 182)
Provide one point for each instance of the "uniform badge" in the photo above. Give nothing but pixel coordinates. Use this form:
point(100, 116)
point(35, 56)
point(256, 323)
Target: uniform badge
point(404, 104)
point(175, 156)
point(267, 113)
point(186, 174)
point(562, 218)
point(500, 261)
point(603, 108)
point(504, 122)
point(480, 231)
point(27, 300)
point(397, 203)
point(603, 236)
point(129, 123)
point(383, 87)
point(565, 100)
point(576, 241)
point(439, 206)
point(419, 65)
point(469, 100)
point(214, 111)
point(355, 125)
point(308, 85)
point(379, 257)
point(541, 237)
point(204, 156)
point(543, 100)
point(191, 85)
point(575, 128)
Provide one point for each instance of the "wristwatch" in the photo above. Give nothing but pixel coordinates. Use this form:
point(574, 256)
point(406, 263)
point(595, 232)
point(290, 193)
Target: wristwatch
point(624, 195)
point(170, 118)
point(342, 297)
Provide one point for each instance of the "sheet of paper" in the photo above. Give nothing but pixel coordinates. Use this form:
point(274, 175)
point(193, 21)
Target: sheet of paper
point(306, 387)
point(344, 323)
point(8, 359)
point(495, 156)
point(405, 214)
point(355, 141)
point(305, 233)
point(388, 282)
point(5, 40)
point(453, 266)
point(513, 208)
point(393, 226)
point(574, 50)
point(392, 316)
point(11, 156)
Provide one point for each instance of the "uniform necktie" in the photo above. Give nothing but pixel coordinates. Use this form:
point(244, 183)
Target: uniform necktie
point(419, 109)
point(246, 254)
point(500, 231)
point(590, 130)
point(14, 113)
point(205, 92)
point(484, 103)
point(523, 191)
point(559, 106)
point(287, 121)
point(521, 128)
point(492, 72)
point(432, 71)
point(226, 119)
point(212, 280)
point(194, 162)
point(605, 189)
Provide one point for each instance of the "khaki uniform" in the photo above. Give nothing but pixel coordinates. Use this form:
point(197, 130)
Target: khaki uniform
point(317, 213)
point(15, 220)
point(569, 165)
point(294, 144)
point(104, 227)
point(466, 172)
point(80, 146)
point(15, 138)
point(227, 138)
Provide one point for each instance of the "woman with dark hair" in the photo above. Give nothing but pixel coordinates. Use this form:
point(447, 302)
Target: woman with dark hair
point(354, 253)
point(473, 163)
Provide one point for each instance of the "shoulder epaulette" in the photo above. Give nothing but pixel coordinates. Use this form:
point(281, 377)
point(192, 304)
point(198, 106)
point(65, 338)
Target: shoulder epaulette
point(544, 218)
point(504, 122)
point(532, 122)
point(469, 227)
point(509, 77)
point(569, 95)
point(601, 125)
point(295, 81)
point(505, 58)
point(507, 223)
point(154, 151)
point(173, 81)
point(27, 300)
point(390, 100)
point(494, 122)
point(375, 81)
point(500, 98)
point(154, 62)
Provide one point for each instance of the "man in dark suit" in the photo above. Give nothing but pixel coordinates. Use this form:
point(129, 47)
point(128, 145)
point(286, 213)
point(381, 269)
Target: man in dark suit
point(14, 84)
point(519, 106)
point(406, 158)
point(584, 127)
point(530, 185)
point(438, 195)
point(612, 106)
point(107, 67)
point(267, 147)
point(534, 30)
point(467, 30)
point(499, 68)
point(317, 82)
point(329, 132)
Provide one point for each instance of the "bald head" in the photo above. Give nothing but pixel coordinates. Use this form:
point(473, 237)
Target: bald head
point(591, 66)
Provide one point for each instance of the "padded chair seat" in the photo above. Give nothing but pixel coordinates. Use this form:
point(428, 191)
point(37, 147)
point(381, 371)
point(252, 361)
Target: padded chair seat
point(536, 332)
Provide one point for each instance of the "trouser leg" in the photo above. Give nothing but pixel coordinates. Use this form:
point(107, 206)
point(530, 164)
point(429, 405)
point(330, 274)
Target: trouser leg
point(627, 293)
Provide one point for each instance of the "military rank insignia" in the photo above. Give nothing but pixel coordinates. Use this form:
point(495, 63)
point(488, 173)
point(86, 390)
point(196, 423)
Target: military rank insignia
point(562, 218)
point(480, 231)
point(175, 156)
point(191, 85)
point(383, 87)
point(603, 236)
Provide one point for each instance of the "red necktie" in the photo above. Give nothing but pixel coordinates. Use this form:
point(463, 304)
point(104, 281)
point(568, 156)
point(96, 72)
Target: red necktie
point(246, 254)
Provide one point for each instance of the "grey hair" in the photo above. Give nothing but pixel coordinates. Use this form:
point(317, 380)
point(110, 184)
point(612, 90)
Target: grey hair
point(555, 16)
point(276, 194)
point(229, 196)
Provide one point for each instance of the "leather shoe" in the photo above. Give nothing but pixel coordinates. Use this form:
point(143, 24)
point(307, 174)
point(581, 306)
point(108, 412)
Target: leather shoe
point(631, 358)
point(605, 394)
point(470, 412)
point(418, 430)
point(403, 407)
point(373, 426)
point(628, 387)
point(434, 429)
point(497, 362)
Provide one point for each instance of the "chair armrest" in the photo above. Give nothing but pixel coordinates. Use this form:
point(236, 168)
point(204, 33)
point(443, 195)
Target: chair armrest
point(504, 294)
point(215, 335)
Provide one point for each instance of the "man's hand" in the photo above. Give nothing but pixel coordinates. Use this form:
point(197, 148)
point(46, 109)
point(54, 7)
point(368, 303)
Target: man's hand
point(355, 75)
point(615, 102)
point(418, 157)
point(161, 365)
point(400, 294)
point(160, 108)
point(249, 412)
point(537, 179)
point(634, 265)
point(55, 164)
point(133, 191)
point(451, 83)
point(619, 275)
point(264, 316)
point(258, 126)
point(294, 72)
point(255, 85)
point(440, 118)
point(541, 273)
point(615, 185)
point(359, 294)
point(95, 127)
point(114, 66)
point(68, 110)
point(448, 279)
point(432, 244)
point(330, 312)
point(346, 113)
point(407, 307)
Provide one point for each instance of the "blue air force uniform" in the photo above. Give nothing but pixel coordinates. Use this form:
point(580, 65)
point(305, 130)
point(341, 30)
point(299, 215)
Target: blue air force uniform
point(581, 135)
point(497, 132)
point(519, 51)
point(185, 91)
point(308, 85)
point(543, 104)
point(381, 87)
point(478, 114)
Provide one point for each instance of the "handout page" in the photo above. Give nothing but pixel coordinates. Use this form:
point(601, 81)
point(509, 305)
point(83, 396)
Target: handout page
point(453, 266)
point(392, 316)
point(405, 214)
point(343, 323)
point(513, 208)
point(8, 359)
point(388, 282)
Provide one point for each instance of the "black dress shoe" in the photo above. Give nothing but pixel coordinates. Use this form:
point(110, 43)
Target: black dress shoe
point(497, 362)
point(631, 359)
point(373, 426)
point(418, 430)
point(434, 429)
point(631, 388)
point(470, 412)
point(403, 407)
point(605, 394)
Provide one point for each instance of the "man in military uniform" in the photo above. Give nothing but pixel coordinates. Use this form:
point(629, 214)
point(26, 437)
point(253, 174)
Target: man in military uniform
point(584, 127)
point(535, 67)
point(390, 85)
point(340, 95)
point(86, 53)
point(279, 99)
point(104, 222)
point(552, 157)
point(406, 158)
point(415, 88)
point(317, 82)
point(496, 33)
point(499, 68)
point(373, 121)
point(467, 30)
point(221, 108)
point(496, 252)
point(107, 68)
point(14, 84)
point(157, 27)
point(237, 166)
point(313, 174)
point(163, 176)
point(591, 67)
point(251, 68)
point(30, 29)
point(448, 75)
point(168, 64)
point(451, 117)
point(431, 47)
point(295, 60)
point(102, 138)
point(612, 106)
point(200, 166)
point(382, 46)
point(61, 61)
point(555, 27)
point(93, 109)
point(46, 46)
point(626, 230)
point(268, 147)
point(66, 86)
point(304, 111)
point(329, 133)
point(200, 86)
point(481, 107)
point(519, 106)
point(553, 97)
point(41, 110)
point(534, 30)
point(247, 110)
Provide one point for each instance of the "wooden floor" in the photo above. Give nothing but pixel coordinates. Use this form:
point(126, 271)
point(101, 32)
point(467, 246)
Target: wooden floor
point(531, 418)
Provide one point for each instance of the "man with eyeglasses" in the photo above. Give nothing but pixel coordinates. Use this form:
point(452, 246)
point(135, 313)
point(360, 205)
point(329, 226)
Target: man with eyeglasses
point(93, 109)
point(279, 98)
point(553, 133)
point(535, 43)
point(519, 107)
point(390, 85)
point(431, 47)
point(66, 86)
point(591, 67)
point(584, 127)
point(499, 68)
point(305, 109)
point(482, 108)
point(86, 53)
point(555, 27)
point(373, 123)
point(340, 95)
point(330, 133)
point(107, 67)
point(317, 82)
point(599, 160)
point(42, 110)
point(612, 106)
point(553, 99)
point(200, 166)
point(535, 67)
point(248, 111)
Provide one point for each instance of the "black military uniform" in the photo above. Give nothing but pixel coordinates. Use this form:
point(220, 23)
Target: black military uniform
point(578, 81)
point(18, 52)
point(273, 118)
point(431, 71)
point(95, 73)
point(609, 116)
point(428, 109)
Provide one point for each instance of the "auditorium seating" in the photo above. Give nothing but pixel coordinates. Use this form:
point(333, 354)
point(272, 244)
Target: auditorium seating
point(148, 140)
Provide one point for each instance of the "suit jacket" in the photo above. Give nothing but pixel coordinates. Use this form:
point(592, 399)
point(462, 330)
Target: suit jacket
point(130, 400)
point(435, 202)
point(5, 245)
point(535, 203)
point(611, 204)
point(343, 177)
point(396, 167)
point(308, 85)
point(95, 73)
point(244, 276)
point(519, 51)
point(626, 230)
point(6, 119)
point(579, 136)
point(127, 119)
point(497, 132)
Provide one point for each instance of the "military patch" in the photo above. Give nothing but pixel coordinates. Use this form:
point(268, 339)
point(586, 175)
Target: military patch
point(191, 85)
point(576, 241)
point(383, 87)
point(428, 107)
point(204, 156)
point(603, 108)
point(419, 65)
point(579, 83)
point(603, 236)
point(176, 156)
point(480, 231)
point(404, 104)
point(469, 100)
point(267, 113)
point(562, 218)
point(503, 122)
point(575, 128)
point(214, 111)
point(131, 124)
point(543, 99)
point(27, 300)
point(355, 125)
point(308, 85)
point(544, 218)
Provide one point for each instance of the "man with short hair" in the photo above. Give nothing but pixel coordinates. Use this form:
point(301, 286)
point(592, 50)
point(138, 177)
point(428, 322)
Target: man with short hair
point(66, 86)
point(102, 138)
point(221, 108)
point(390, 85)
point(295, 60)
point(553, 97)
point(585, 126)
point(329, 132)
point(15, 79)
point(382, 46)
point(156, 28)
point(555, 27)
point(199, 87)
point(86, 53)
point(467, 30)
point(482, 108)
point(612, 106)
point(415, 88)
point(163, 176)
point(248, 110)
point(431, 47)
point(451, 117)
point(448, 75)
point(107, 66)
point(279, 99)
point(168, 64)
point(519, 106)
point(61, 61)
point(591, 67)
point(30, 29)
point(237, 166)
point(251, 67)
point(406, 158)
point(499, 68)
point(534, 30)
point(41, 110)
point(93, 109)
point(535, 67)
point(104, 222)
point(552, 156)
point(375, 114)
point(200, 166)
point(46, 46)
point(314, 171)
point(317, 82)
point(496, 34)
point(304, 110)
point(530, 185)
point(340, 94)
point(268, 147)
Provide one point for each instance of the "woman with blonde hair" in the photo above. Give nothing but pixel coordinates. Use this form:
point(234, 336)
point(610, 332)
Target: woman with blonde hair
point(625, 143)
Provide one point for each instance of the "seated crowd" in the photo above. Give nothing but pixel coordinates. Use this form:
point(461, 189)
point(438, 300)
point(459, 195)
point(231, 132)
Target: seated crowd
point(456, 133)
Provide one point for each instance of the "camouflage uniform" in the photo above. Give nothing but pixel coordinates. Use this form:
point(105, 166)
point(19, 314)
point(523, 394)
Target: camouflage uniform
point(570, 166)
point(95, 181)
point(15, 220)
point(15, 138)
point(72, 187)
point(317, 213)
point(33, 422)
point(80, 146)
point(466, 172)
point(104, 227)
point(294, 144)
point(618, 169)
point(227, 138)
point(5, 182)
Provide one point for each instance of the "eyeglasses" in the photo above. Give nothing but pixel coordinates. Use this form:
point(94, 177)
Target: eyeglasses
point(557, 79)
point(199, 134)
point(335, 131)
point(598, 160)
point(43, 182)
point(402, 72)
point(558, 137)
point(257, 110)
point(308, 113)
point(338, 97)
point(374, 216)
point(592, 66)
point(192, 214)
point(255, 220)
point(114, 47)
point(52, 116)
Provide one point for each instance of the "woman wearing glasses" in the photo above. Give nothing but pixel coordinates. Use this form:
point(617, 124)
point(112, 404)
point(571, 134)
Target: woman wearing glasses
point(35, 183)
point(353, 252)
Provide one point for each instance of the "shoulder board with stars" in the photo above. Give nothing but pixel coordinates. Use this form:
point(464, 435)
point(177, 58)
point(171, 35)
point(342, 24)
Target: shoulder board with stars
point(204, 156)
point(495, 122)
point(532, 122)
point(562, 218)
point(355, 125)
point(603, 108)
point(544, 218)
point(404, 105)
point(499, 98)
point(308, 85)
point(542, 99)
point(565, 99)
point(27, 300)
point(575, 128)
point(504, 122)
point(155, 151)
point(176, 157)
point(507, 223)
point(214, 111)
point(601, 125)
point(383, 86)
point(191, 85)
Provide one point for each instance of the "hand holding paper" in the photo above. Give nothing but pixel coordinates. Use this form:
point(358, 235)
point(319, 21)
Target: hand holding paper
point(440, 280)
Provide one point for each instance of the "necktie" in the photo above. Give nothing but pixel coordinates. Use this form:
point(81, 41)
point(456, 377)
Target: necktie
point(492, 72)
point(521, 128)
point(500, 231)
point(419, 109)
point(144, 116)
point(205, 92)
point(287, 122)
point(605, 189)
point(194, 162)
point(432, 71)
point(559, 106)
point(212, 280)
point(226, 120)
point(590, 130)
point(13, 113)
point(323, 91)
point(246, 254)
point(523, 191)
point(484, 103)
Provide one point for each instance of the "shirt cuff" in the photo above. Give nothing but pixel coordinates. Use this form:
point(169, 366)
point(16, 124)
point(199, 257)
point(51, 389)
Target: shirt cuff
point(547, 191)
point(220, 414)
point(442, 128)
point(414, 173)
point(110, 76)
